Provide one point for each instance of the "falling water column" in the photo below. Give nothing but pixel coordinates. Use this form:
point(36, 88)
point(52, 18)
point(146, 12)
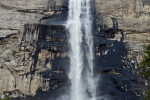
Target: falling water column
point(79, 25)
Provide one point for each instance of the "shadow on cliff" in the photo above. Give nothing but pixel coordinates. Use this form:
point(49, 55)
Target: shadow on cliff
point(37, 38)
point(117, 82)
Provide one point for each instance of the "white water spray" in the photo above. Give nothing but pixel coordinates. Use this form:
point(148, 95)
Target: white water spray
point(79, 25)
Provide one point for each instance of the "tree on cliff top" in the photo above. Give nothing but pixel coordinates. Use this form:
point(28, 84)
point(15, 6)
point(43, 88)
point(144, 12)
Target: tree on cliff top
point(145, 69)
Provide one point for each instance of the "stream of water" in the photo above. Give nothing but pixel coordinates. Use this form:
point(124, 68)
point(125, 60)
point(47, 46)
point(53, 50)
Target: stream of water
point(79, 25)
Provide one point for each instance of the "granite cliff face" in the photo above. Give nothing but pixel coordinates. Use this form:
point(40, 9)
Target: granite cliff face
point(33, 46)
point(123, 28)
point(29, 46)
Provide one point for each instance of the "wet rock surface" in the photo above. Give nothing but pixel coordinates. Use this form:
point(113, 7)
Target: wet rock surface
point(34, 48)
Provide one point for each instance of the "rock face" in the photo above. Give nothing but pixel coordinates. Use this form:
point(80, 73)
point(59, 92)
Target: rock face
point(123, 28)
point(132, 15)
point(29, 46)
point(34, 48)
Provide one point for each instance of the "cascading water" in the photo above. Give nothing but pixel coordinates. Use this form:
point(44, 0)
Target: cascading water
point(79, 25)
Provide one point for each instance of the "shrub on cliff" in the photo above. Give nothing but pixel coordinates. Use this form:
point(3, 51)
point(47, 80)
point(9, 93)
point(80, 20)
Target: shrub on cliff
point(144, 69)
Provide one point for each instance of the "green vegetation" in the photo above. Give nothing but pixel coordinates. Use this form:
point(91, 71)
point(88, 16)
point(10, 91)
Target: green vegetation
point(9, 98)
point(145, 69)
point(7, 92)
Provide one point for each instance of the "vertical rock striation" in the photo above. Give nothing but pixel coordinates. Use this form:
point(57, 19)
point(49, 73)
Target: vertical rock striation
point(29, 48)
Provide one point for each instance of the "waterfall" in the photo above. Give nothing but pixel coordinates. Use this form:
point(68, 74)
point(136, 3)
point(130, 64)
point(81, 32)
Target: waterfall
point(79, 26)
